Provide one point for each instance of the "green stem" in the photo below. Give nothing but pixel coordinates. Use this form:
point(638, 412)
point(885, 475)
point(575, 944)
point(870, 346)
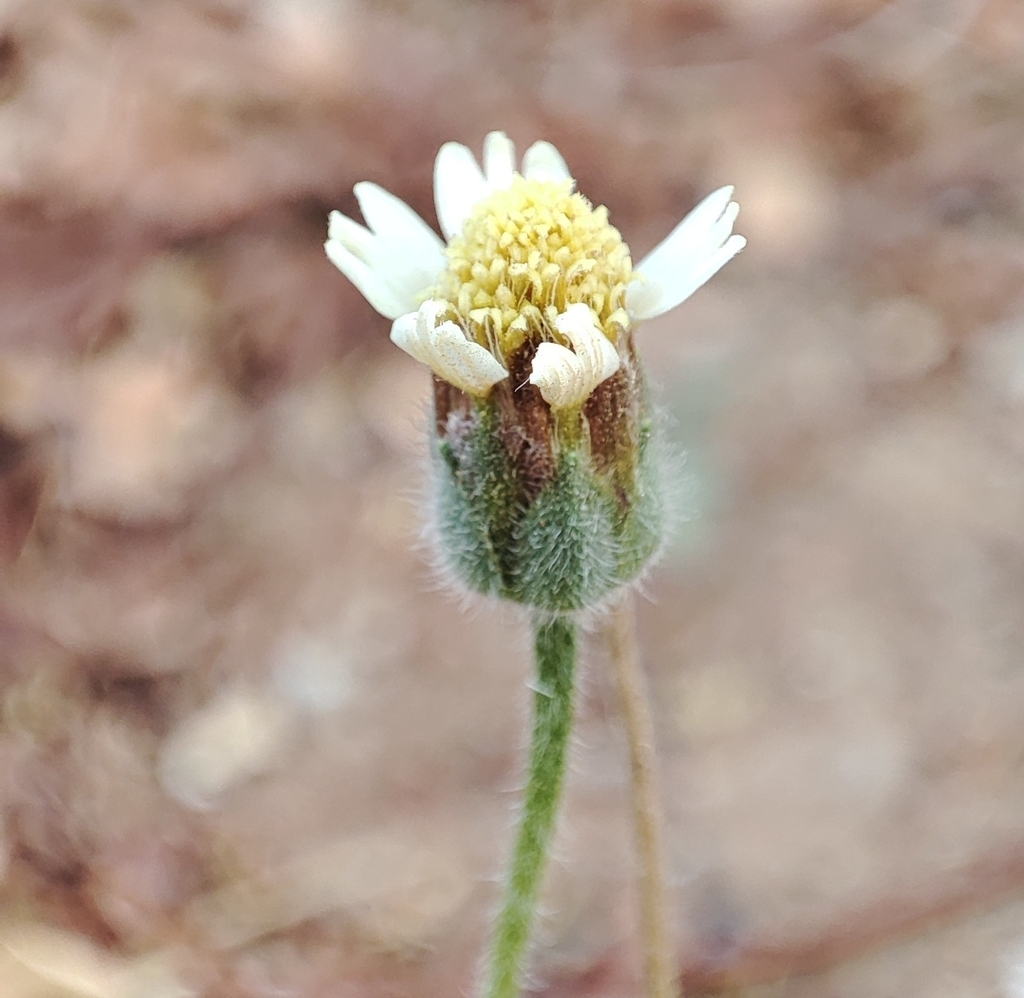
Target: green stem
point(555, 650)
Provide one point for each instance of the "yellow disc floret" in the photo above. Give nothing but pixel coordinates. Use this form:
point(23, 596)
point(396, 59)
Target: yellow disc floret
point(524, 256)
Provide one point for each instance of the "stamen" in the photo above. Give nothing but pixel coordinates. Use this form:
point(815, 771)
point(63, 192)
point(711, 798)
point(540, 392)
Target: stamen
point(527, 254)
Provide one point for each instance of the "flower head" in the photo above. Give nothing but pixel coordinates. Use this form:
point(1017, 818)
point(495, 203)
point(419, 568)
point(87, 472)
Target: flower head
point(523, 248)
point(547, 491)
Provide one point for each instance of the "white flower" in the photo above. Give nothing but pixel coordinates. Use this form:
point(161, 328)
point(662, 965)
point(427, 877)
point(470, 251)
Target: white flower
point(565, 378)
point(501, 274)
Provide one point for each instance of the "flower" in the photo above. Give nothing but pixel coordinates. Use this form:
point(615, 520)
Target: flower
point(546, 473)
point(523, 252)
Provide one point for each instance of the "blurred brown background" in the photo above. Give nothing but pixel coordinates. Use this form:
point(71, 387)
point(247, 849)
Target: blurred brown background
point(249, 748)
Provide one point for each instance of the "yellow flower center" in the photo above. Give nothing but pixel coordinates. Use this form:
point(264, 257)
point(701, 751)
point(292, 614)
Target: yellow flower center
point(527, 253)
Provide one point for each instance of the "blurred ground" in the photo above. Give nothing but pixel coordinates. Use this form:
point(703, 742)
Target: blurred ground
point(249, 749)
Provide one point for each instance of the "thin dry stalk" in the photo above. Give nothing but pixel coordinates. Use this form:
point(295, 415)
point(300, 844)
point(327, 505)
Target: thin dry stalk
point(657, 922)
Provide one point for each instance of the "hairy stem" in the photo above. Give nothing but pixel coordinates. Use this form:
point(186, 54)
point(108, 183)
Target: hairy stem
point(555, 651)
point(655, 912)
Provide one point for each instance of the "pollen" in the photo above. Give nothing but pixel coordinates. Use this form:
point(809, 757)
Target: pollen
point(527, 253)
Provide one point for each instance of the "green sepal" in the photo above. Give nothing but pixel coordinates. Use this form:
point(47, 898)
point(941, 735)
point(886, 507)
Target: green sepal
point(562, 549)
point(566, 549)
point(642, 525)
point(477, 503)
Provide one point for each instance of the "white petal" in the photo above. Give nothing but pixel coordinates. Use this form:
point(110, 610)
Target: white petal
point(696, 249)
point(458, 186)
point(366, 280)
point(354, 237)
point(499, 160)
point(648, 301)
point(428, 314)
point(405, 336)
point(556, 372)
point(464, 364)
point(406, 253)
point(690, 236)
point(719, 234)
point(396, 223)
point(544, 162)
point(446, 351)
point(595, 350)
point(402, 255)
point(566, 378)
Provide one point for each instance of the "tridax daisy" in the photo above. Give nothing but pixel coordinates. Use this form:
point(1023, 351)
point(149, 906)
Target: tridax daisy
point(546, 478)
point(525, 317)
